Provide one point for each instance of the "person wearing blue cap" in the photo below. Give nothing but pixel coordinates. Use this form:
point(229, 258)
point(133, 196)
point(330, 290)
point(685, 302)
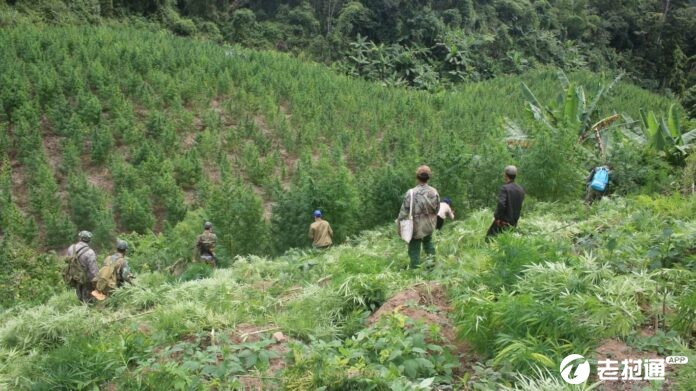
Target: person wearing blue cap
point(444, 212)
point(320, 232)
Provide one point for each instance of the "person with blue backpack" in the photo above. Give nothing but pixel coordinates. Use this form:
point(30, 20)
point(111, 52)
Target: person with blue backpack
point(597, 182)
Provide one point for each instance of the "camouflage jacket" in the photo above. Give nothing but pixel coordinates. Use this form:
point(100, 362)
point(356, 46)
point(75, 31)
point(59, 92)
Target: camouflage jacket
point(122, 269)
point(426, 203)
point(205, 243)
point(88, 259)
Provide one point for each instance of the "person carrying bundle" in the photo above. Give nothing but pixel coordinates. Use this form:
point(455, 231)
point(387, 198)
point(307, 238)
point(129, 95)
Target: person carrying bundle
point(114, 273)
point(418, 216)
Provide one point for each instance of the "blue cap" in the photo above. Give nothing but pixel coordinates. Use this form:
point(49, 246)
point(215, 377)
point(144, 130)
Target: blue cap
point(447, 201)
point(316, 213)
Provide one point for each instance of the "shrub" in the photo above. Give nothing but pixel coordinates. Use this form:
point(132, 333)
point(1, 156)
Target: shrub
point(236, 212)
point(551, 167)
point(27, 276)
point(362, 360)
point(133, 209)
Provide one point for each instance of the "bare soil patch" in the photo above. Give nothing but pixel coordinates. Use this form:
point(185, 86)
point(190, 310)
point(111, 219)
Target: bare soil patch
point(427, 302)
point(617, 350)
point(251, 333)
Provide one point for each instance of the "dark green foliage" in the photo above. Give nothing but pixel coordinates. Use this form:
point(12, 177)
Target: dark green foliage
point(187, 169)
point(27, 277)
point(506, 36)
point(59, 230)
point(362, 362)
point(550, 168)
point(689, 101)
point(638, 169)
point(512, 255)
point(74, 365)
point(327, 186)
point(237, 216)
point(134, 211)
point(102, 142)
point(684, 321)
point(382, 193)
point(196, 271)
point(89, 211)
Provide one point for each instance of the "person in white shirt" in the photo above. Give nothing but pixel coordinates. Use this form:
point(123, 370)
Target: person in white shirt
point(444, 212)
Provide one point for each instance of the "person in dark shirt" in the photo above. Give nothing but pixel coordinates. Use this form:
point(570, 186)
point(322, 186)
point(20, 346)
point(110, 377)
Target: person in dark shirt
point(510, 198)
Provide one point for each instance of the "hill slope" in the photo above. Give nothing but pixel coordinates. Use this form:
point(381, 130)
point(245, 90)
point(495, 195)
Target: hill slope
point(116, 129)
point(615, 280)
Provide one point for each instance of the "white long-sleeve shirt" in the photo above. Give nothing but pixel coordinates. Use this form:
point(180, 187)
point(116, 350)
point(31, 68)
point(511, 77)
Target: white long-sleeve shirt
point(445, 211)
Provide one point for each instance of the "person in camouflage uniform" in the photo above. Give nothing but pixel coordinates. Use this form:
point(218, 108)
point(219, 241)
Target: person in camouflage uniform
point(88, 260)
point(118, 270)
point(426, 203)
point(205, 244)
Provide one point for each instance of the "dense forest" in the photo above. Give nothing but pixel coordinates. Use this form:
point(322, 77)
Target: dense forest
point(436, 43)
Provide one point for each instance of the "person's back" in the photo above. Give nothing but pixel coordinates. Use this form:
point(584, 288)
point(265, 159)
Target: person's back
point(421, 204)
point(596, 183)
point(426, 204)
point(206, 242)
point(87, 259)
point(113, 273)
point(122, 270)
point(511, 209)
point(321, 233)
point(509, 206)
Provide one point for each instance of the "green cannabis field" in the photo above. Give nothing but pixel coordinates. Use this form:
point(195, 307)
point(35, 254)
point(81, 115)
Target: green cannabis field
point(485, 317)
point(131, 132)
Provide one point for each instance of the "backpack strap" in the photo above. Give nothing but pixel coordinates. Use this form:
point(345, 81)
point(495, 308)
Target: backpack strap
point(410, 207)
point(78, 253)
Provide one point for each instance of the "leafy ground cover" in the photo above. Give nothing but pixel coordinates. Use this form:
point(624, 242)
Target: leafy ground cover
point(614, 279)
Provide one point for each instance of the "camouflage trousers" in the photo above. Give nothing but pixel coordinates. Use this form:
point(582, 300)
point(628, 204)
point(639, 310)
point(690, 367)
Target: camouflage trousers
point(84, 293)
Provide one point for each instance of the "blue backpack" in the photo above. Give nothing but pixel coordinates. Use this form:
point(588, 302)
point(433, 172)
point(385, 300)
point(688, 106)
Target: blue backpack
point(600, 179)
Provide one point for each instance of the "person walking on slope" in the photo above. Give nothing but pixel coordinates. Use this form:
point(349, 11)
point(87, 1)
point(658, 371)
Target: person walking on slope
point(114, 272)
point(596, 183)
point(205, 244)
point(320, 232)
point(509, 207)
point(444, 212)
point(87, 259)
point(426, 203)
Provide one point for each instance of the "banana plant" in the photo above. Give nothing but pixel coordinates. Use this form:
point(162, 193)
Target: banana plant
point(664, 135)
point(571, 111)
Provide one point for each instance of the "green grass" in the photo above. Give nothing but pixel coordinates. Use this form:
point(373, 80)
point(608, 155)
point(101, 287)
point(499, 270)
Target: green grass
point(523, 302)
